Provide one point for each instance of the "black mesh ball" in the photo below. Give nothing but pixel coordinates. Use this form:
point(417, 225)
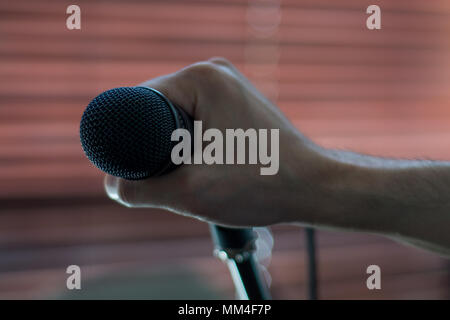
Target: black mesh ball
point(126, 132)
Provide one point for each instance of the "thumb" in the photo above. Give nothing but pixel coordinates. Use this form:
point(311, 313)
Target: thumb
point(165, 192)
point(189, 88)
point(178, 87)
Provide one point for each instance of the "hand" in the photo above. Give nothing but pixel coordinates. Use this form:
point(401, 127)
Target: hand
point(216, 93)
point(407, 200)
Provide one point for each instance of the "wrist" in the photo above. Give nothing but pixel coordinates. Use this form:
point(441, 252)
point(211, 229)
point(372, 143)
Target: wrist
point(362, 193)
point(316, 183)
point(340, 193)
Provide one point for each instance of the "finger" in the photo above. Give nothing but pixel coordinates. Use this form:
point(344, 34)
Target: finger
point(110, 183)
point(190, 87)
point(179, 90)
point(155, 192)
point(114, 190)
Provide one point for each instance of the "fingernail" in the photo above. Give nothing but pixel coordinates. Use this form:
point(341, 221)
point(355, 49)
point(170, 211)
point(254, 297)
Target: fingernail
point(111, 187)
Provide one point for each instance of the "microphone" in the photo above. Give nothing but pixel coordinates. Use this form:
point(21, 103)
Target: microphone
point(126, 132)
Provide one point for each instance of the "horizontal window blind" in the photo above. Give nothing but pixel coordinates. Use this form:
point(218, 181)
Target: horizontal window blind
point(384, 92)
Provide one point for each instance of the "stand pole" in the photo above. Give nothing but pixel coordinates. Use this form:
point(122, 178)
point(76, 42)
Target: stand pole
point(236, 247)
point(312, 266)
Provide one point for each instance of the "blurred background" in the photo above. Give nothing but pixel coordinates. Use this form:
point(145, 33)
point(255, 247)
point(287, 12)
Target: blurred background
point(383, 92)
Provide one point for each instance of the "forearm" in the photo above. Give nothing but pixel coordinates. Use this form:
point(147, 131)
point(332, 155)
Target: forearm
point(408, 200)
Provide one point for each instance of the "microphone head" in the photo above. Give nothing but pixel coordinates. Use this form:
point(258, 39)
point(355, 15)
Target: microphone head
point(126, 132)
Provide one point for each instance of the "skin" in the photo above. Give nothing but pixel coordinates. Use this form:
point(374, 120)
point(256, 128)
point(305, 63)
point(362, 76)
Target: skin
point(406, 200)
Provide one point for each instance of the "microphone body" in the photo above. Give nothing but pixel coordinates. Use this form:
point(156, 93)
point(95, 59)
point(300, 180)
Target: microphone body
point(126, 132)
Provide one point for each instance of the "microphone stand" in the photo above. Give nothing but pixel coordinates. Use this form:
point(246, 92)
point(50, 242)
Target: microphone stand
point(312, 263)
point(236, 247)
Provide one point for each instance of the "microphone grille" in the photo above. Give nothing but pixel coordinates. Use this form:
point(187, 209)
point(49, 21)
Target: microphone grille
point(126, 132)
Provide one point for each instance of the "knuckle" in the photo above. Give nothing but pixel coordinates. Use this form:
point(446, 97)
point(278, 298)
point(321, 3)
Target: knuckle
point(210, 78)
point(221, 61)
point(205, 70)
